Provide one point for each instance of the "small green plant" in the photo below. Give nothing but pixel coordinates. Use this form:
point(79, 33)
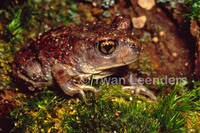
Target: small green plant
point(14, 31)
point(173, 109)
point(193, 7)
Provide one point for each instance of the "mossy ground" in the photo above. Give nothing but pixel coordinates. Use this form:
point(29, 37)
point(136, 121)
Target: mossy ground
point(49, 110)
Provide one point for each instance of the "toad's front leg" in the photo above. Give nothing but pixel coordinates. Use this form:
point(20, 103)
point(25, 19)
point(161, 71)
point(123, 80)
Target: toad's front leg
point(64, 76)
point(133, 84)
point(140, 89)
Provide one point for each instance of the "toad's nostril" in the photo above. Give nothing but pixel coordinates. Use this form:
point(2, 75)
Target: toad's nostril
point(133, 46)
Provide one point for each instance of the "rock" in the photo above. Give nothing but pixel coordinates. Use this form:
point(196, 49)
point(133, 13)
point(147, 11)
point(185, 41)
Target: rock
point(147, 4)
point(162, 33)
point(155, 39)
point(174, 54)
point(139, 22)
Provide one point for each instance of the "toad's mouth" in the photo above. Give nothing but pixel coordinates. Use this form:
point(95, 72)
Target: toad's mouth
point(105, 73)
point(108, 67)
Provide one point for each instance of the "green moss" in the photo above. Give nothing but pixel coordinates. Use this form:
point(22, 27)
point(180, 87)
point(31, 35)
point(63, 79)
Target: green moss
point(48, 111)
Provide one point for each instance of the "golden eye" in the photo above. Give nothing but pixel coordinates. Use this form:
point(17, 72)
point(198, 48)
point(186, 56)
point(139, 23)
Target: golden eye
point(106, 46)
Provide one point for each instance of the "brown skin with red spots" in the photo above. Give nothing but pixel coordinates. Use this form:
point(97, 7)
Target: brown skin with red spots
point(68, 54)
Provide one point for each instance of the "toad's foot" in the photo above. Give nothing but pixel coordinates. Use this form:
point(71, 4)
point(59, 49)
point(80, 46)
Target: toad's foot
point(64, 77)
point(71, 89)
point(140, 89)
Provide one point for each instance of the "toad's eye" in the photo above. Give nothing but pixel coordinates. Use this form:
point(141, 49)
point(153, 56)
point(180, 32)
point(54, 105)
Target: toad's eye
point(106, 46)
